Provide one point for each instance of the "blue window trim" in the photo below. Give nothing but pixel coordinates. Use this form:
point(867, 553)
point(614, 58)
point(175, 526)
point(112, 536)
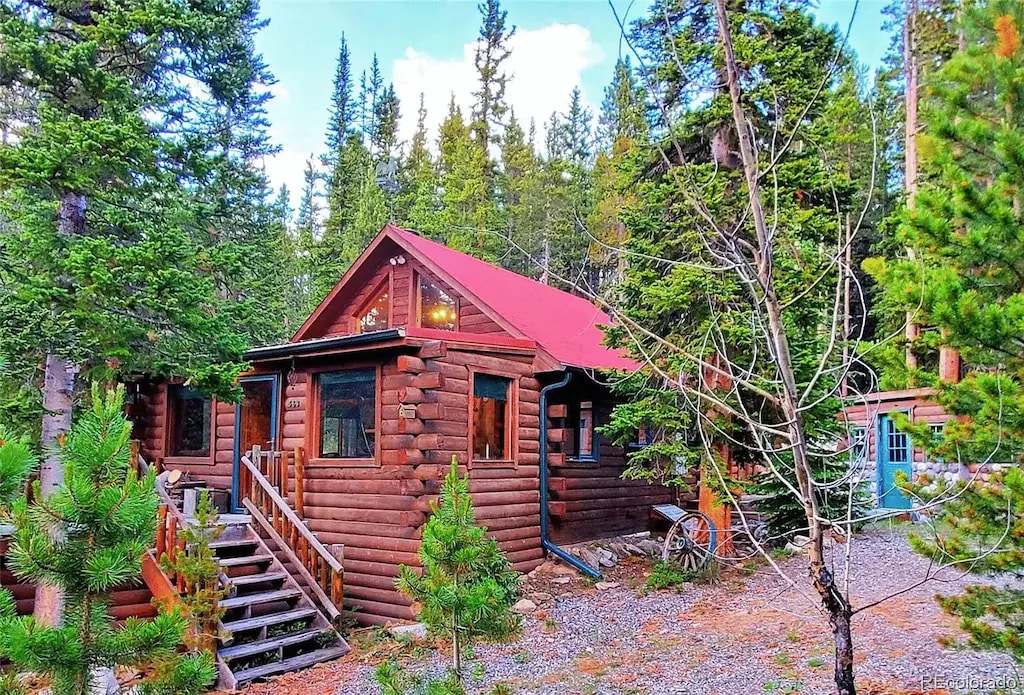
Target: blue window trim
point(236, 502)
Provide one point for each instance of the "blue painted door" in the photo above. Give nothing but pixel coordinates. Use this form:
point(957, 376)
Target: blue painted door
point(894, 454)
point(255, 421)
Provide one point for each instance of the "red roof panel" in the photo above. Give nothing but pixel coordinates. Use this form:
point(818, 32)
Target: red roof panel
point(565, 325)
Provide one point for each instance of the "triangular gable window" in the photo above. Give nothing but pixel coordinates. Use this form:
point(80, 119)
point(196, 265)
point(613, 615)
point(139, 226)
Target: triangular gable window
point(374, 316)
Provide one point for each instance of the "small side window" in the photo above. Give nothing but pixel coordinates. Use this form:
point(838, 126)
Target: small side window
point(858, 444)
point(585, 446)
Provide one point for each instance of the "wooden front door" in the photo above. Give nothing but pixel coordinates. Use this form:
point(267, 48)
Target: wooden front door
point(894, 454)
point(255, 421)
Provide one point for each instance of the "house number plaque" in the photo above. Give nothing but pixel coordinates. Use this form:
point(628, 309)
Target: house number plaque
point(407, 411)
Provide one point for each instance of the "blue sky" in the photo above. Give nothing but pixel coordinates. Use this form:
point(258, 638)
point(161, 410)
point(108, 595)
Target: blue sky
point(426, 46)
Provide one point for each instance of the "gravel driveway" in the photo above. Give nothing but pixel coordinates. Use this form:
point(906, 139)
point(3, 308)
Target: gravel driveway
point(746, 633)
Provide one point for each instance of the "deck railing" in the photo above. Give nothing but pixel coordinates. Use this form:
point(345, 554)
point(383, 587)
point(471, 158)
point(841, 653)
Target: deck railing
point(264, 487)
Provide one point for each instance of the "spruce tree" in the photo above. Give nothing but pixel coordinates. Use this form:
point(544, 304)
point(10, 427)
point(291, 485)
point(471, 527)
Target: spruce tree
point(467, 587)
point(468, 211)
point(108, 266)
point(965, 282)
point(417, 204)
point(492, 51)
point(343, 106)
point(105, 520)
point(623, 109)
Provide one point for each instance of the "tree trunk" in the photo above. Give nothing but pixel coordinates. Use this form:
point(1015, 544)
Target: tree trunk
point(911, 67)
point(835, 603)
point(58, 391)
point(58, 387)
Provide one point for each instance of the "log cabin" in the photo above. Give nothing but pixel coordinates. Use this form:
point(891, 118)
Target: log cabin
point(881, 450)
point(419, 354)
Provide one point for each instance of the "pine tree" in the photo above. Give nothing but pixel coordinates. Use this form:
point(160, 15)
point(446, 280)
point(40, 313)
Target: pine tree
point(468, 211)
point(17, 462)
point(577, 138)
point(343, 108)
point(106, 520)
point(200, 572)
point(109, 266)
point(417, 204)
point(623, 110)
point(523, 200)
point(385, 130)
point(491, 52)
point(468, 587)
point(965, 281)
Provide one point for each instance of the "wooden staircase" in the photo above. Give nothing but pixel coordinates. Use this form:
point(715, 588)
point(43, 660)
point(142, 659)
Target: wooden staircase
point(270, 625)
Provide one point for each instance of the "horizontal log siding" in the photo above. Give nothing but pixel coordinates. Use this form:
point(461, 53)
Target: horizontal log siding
point(151, 427)
point(126, 602)
point(590, 500)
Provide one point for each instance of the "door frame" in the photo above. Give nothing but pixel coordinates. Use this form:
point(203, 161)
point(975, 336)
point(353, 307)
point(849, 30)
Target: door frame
point(275, 408)
point(882, 444)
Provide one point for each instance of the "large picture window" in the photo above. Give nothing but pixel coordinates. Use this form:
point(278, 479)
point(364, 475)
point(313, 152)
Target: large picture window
point(491, 414)
point(438, 309)
point(190, 422)
point(347, 402)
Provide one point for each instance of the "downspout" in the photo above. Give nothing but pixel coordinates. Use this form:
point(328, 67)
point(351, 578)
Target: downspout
point(545, 541)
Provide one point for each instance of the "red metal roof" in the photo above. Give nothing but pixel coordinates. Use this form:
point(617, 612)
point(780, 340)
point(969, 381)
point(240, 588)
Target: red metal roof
point(565, 325)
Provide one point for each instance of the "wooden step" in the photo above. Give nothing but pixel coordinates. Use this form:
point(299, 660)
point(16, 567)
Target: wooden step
point(293, 664)
point(242, 651)
point(233, 543)
point(264, 597)
point(245, 560)
point(268, 620)
point(251, 579)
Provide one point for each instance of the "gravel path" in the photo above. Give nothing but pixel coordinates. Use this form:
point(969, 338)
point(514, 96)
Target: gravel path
point(746, 633)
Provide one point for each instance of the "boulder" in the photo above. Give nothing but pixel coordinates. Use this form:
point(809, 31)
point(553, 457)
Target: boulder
point(590, 556)
point(607, 558)
point(524, 606)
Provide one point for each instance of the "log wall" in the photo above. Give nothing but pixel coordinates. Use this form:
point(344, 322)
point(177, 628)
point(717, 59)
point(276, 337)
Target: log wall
point(920, 408)
point(589, 499)
point(127, 602)
point(151, 427)
point(378, 510)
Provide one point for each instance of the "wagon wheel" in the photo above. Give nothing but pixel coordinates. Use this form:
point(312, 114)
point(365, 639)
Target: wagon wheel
point(691, 541)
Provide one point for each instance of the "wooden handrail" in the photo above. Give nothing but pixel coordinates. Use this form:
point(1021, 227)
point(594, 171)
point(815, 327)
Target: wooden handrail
point(321, 567)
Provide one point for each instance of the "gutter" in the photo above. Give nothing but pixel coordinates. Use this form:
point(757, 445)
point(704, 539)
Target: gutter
point(545, 540)
point(318, 344)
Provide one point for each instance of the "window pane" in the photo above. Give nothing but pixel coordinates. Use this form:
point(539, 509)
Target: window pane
point(190, 422)
point(437, 307)
point(376, 316)
point(899, 449)
point(348, 414)
point(490, 417)
point(585, 431)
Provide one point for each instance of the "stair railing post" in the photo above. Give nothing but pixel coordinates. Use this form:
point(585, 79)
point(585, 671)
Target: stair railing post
point(283, 475)
point(300, 472)
point(161, 531)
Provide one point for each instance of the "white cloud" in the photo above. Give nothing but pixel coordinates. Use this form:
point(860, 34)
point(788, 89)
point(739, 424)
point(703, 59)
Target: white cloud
point(545, 65)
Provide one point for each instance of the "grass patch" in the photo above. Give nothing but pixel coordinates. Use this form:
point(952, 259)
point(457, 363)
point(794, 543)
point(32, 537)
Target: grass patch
point(667, 575)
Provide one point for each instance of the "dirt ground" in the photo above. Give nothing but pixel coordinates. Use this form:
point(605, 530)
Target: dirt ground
point(747, 631)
